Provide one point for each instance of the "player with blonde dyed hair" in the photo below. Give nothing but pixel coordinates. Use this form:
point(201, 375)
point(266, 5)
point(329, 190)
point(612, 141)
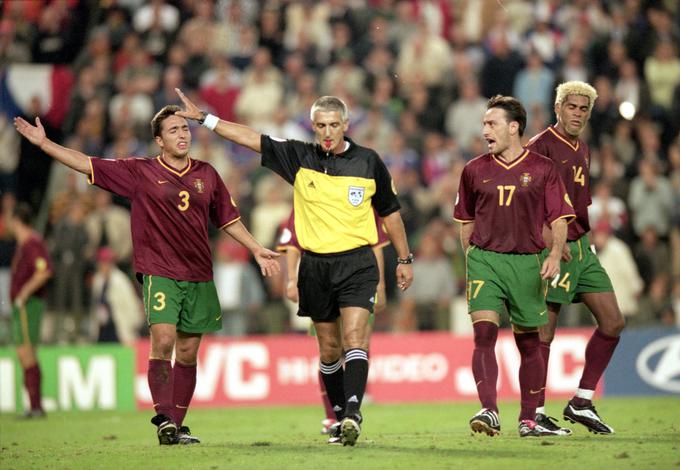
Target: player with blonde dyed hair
point(582, 278)
point(577, 88)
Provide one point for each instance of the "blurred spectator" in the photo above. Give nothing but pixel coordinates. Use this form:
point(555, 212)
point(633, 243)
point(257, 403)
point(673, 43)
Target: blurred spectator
point(173, 77)
point(425, 305)
point(7, 247)
point(534, 86)
point(631, 89)
point(574, 67)
point(606, 208)
point(605, 113)
point(261, 93)
point(344, 77)
point(9, 157)
point(464, 115)
point(272, 208)
point(616, 258)
point(675, 299)
point(69, 242)
point(116, 312)
point(12, 48)
point(307, 24)
point(656, 307)
point(238, 286)
point(108, 225)
point(57, 34)
point(376, 128)
point(662, 73)
point(651, 255)
point(156, 22)
point(271, 32)
point(503, 62)
point(285, 127)
point(651, 200)
point(424, 59)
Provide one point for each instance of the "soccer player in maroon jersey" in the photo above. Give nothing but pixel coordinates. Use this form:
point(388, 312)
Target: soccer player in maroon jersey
point(288, 244)
point(31, 269)
point(582, 277)
point(505, 197)
point(173, 197)
point(337, 184)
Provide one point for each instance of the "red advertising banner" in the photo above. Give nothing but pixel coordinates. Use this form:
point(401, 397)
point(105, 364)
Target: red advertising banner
point(417, 367)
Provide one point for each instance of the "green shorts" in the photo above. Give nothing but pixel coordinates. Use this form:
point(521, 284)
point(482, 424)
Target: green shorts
point(26, 321)
point(582, 274)
point(507, 282)
point(192, 306)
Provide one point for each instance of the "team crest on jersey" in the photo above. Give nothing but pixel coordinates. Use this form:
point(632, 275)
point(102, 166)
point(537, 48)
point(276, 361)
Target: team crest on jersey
point(198, 184)
point(525, 179)
point(356, 195)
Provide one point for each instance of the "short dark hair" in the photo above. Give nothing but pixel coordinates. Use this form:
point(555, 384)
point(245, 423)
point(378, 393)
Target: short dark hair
point(162, 115)
point(513, 109)
point(24, 213)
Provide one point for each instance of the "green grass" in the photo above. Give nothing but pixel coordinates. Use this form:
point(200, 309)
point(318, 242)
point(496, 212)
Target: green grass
point(422, 436)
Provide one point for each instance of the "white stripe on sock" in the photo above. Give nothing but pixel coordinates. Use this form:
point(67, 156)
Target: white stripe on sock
point(329, 369)
point(585, 394)
point(356, 354)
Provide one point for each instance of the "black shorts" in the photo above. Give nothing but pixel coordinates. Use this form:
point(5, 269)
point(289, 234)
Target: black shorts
point(329, 282)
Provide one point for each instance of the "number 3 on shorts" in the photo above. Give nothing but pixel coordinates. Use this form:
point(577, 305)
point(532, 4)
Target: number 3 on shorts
point(160, 299)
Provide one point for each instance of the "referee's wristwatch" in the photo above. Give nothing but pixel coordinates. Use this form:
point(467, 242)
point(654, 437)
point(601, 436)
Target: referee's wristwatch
point(407, 260)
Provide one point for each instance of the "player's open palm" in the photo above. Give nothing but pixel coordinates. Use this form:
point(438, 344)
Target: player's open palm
point(269, 265)
point(191, 111)
point(34, 134)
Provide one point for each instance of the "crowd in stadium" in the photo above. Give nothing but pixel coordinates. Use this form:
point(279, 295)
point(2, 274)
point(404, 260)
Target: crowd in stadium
point(416, 76)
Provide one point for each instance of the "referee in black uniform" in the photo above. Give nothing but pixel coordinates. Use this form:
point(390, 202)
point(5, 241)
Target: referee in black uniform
point(336, 183)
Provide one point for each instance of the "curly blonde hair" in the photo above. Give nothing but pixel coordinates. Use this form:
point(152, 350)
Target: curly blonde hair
point(576, 87)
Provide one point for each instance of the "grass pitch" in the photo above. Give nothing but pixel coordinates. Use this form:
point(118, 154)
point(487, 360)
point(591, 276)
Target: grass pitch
point(421, 436)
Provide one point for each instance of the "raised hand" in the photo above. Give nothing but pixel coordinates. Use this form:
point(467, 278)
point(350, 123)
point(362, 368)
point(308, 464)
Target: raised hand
point(191, 111)
point(34, 134)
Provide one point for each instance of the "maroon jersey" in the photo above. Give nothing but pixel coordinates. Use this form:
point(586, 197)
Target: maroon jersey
point(288, 238)
point(573, 164)
point(510, 203)
point(28, 258)
point(170, 212)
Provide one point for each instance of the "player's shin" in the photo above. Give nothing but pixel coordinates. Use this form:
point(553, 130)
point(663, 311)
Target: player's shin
point(484, 364)
point(531, 373)
point(333, 378)
point(599, 352)
point(161, 382)
point(184, 383)
point(356, 376)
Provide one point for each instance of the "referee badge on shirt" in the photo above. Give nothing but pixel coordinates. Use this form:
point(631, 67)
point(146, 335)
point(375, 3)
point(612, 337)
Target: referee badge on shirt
point(356, 195)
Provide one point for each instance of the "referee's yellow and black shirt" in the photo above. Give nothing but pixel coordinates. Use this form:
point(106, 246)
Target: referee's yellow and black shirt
point(333, 194)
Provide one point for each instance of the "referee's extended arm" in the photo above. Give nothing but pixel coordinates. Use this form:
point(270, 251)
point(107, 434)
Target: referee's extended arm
point(232, 131)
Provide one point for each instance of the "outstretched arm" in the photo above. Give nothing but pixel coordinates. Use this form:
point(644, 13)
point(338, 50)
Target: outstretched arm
point(238, 133)
point(264, 257)
point(36, 135)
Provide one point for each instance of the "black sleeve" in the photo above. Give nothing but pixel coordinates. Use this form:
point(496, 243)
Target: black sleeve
point(282, 156)
point(385, 199)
